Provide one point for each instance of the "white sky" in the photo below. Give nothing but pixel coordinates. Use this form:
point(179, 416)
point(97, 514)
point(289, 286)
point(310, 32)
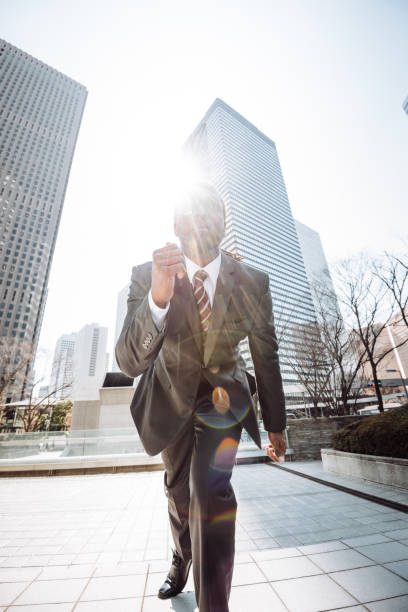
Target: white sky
point(325, 80)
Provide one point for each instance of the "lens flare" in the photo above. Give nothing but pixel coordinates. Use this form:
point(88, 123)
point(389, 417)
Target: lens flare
point(216, 419)
point(224, 457)
point(220, 399)
point(229, 515)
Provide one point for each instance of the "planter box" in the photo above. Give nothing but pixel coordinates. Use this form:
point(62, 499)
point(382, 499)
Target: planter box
point(385, 470)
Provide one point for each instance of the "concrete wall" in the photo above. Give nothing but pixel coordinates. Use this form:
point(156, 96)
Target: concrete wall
point(85, 415)
point(111, 411)
point(385, 470)
point(307, 436)
point(115, 407)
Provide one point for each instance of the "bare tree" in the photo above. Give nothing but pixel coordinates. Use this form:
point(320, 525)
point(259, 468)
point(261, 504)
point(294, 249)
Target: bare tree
point(368, 306)
point(308, 359)
point(38, 409)
point(392, 270)
point(15, 359)
point(344, 353)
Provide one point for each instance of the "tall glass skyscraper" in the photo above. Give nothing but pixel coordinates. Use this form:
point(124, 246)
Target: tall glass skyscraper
point(244, 166)
point(40, 114)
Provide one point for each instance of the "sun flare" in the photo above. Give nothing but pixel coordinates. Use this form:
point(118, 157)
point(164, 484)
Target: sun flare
point(182, 175)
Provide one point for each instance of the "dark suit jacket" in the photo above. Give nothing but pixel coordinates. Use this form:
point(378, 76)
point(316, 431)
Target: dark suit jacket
point(172, 360)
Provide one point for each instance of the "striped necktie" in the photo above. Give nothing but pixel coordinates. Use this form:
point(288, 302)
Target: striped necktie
point(202, 299)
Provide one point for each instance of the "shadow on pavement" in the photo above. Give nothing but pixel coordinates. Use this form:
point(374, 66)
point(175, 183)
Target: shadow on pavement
point(185, 602)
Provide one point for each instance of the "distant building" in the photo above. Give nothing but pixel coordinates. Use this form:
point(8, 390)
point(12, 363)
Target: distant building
point(43, 391)
point(40, 115)
point(393, 368)
point(397, 333)
point(405, 105)
point(317, 269)
point(62, 367)
point(243, 164)
point(89, 361)
point(121, 309)
point(395, 365)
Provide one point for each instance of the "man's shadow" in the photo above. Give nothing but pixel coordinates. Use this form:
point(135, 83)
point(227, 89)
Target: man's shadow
point(184, 602)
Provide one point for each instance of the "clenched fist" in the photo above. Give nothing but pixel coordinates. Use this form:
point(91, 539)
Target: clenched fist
point(167, 262)
point(276, 448)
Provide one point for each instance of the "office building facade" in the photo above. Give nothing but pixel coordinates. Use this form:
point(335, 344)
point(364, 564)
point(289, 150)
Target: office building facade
point(121, 309)
point(40, 115)
point(391, 354)
point(316, 266)
point(243, 164)
point(62, 367)
point(90, 362)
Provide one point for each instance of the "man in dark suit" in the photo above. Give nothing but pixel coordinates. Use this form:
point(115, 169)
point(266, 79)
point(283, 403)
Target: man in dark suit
point(187, 311)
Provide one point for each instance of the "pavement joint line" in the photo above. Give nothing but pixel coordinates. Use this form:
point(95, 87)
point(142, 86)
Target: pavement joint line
point(83, 590)
point(373, 561)
point(24, 590)
point(329, 574)
point(368, 496)
point(270, 583)
point(383, 600)
point(145, 587)
point(345, 608)
point(323, 573)
point(383, 564)
point(344, 589)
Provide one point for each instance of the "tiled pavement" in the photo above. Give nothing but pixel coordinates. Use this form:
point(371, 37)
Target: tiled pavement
point(101, 542)
point(315, 469)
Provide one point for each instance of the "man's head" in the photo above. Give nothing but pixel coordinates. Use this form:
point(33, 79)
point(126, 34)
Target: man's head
point(199, 220)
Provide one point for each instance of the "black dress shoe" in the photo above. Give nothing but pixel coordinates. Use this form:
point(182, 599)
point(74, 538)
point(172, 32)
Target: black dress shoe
point(176, 578)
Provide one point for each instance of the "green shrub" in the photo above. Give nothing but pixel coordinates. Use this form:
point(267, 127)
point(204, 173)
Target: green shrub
point(384, 434)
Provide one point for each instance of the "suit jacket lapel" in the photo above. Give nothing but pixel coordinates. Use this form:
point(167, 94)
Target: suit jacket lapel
point(223, 290)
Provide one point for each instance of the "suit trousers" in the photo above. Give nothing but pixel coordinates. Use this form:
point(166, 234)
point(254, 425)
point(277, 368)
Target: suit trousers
point(201, 501)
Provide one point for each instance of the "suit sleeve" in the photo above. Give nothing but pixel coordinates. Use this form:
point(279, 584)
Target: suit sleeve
point(140, 340)
point(263, 345)
point(158, 314)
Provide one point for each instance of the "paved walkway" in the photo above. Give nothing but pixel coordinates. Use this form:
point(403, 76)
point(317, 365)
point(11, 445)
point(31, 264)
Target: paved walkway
point(101, 542)
point(315, 469)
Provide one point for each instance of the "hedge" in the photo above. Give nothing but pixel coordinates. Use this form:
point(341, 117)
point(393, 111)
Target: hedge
point(384, 434)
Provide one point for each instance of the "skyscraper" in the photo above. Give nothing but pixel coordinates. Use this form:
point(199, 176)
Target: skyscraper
point(90, 361)
point(62, 367)
point(121, 307)
point(40, 114)
point(243, 164)
point(317, 269)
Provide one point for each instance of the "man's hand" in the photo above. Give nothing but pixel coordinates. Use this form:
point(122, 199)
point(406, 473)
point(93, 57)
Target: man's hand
point(276, 448)
point(167, 262)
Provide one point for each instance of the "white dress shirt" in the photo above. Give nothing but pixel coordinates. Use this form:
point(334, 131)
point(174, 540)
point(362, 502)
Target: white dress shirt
point(210, 283)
